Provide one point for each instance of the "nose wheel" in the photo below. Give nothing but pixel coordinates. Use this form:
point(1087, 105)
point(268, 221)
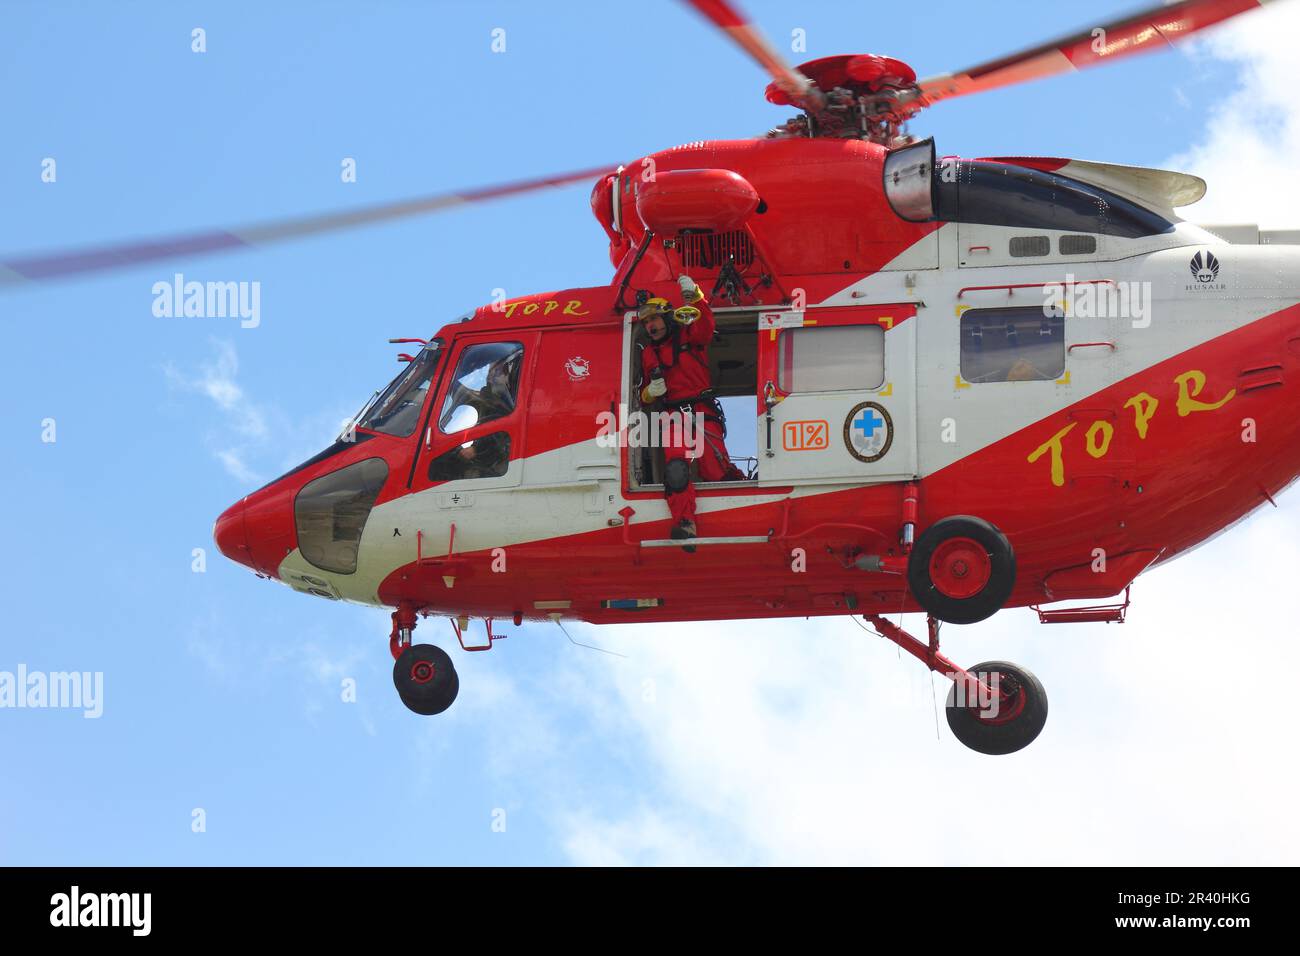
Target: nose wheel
point(423, 674)
point(425, 678)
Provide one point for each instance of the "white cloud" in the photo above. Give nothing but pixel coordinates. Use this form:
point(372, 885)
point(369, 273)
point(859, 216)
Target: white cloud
point(234, 464)
point(252, 438)
point(1247, 153)
point(244, 420)
point(644, 837)
point(216, 379)
point(313, 667)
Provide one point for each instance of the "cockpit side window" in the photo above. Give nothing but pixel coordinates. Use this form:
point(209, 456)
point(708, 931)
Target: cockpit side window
point(485, 386)
point(397, 410)
point(999, 194)
point(487, 456)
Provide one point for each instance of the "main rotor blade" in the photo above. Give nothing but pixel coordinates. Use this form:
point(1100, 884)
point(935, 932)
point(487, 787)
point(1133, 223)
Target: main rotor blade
point(58, 265)
point(1155, 28)
point(794, 84)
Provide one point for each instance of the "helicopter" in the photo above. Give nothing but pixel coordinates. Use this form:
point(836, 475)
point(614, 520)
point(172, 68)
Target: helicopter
point(976, 383)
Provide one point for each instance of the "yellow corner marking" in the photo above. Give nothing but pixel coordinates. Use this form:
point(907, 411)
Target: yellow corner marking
point(960, 309)
point(887, 390)
point(1064, 380)
point(887, 321)
point(960, 383)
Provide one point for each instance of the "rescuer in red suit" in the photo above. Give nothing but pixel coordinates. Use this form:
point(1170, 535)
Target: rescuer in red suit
point(675, 373)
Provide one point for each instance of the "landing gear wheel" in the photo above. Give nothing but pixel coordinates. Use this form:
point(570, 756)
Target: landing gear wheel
point(425, 679)
point(962, 569)
point(1006, 725)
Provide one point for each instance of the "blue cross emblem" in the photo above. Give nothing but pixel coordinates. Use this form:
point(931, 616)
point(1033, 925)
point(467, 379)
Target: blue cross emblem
point(868, 431)
point(868, 422)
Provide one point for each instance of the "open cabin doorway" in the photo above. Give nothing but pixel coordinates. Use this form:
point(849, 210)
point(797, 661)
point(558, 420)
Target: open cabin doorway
point(733, 367)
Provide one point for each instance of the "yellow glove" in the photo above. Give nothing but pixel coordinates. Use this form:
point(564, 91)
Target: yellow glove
point(691, 293)
point(652, 391)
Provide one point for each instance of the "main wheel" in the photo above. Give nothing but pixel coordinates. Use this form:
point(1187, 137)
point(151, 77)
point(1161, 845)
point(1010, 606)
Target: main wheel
point(1005, 724)
point(962, 569)
point(425, 679)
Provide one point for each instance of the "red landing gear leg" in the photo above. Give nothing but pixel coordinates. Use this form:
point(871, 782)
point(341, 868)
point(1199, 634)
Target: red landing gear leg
point(423, 674)
point(404, 622)
point(994, 708)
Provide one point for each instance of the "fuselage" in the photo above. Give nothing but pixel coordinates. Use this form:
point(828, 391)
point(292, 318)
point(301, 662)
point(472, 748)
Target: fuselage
point(1107, 403)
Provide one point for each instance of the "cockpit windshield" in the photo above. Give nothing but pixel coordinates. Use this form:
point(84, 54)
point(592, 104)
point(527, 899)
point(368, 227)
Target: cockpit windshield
point(396, 411)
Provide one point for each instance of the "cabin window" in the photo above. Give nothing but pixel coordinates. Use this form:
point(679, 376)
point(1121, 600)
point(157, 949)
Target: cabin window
point(1012, 345)
point(484, 388)
point(487, 456)
point(999, 194)
point(835, 358)
point(330, 514)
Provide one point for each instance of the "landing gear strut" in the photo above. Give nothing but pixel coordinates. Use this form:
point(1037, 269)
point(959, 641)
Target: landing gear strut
point(994, 708)
point(424, 675)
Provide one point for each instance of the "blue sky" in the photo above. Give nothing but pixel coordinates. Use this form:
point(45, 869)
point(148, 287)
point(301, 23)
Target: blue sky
point(222, 692)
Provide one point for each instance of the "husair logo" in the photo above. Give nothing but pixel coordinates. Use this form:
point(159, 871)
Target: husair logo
point(1207, 270)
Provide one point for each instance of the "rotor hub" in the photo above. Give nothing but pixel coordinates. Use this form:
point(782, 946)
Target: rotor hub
point(864, 96)
point(861, 74)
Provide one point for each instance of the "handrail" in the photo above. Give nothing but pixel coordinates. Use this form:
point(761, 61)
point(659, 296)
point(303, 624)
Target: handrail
point(1031, 285)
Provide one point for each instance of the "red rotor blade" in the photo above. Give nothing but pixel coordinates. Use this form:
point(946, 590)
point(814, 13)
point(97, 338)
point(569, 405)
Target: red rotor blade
point(794, 84)
point(1151, 29)
point(58, 265)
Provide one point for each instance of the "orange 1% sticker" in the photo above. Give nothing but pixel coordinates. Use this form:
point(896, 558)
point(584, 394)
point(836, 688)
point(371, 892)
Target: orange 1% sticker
point(805, 436)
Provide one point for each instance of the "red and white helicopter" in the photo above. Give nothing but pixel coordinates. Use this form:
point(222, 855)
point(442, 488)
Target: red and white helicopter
point(978, 384)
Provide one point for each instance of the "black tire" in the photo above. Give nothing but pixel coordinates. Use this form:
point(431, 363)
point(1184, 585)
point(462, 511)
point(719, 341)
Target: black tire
point(1017, 721)
point(964, 609)
point(426, 679)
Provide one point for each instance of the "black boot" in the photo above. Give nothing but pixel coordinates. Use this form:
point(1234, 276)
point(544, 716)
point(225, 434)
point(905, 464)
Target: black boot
point(683, 530)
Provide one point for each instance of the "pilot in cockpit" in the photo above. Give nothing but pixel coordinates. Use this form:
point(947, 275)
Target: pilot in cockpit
point(487, 455)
